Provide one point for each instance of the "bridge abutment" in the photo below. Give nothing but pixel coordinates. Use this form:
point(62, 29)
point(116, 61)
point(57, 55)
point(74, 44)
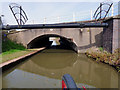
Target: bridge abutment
point(111, 34)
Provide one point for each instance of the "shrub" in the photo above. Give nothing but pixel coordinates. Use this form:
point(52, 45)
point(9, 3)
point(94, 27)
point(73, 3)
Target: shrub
point(101, 49)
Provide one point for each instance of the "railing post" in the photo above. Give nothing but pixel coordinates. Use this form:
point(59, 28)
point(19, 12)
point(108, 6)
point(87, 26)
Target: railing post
point(58, 19)
point(44, 20)
point(73, 17)
point(91, 15)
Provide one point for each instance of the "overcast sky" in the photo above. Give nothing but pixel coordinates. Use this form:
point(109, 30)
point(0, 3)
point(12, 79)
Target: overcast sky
point(53, 10)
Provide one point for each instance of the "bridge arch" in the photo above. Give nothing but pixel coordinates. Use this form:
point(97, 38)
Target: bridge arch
point(43, 41)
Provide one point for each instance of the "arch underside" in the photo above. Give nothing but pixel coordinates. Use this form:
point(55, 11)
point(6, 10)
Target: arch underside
point(43, 41)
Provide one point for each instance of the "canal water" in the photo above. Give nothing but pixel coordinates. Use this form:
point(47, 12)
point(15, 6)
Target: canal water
point(45, 70)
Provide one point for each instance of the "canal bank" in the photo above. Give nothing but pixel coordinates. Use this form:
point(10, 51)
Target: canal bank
point(13, 52)
point(18, 57)
point(100, 55)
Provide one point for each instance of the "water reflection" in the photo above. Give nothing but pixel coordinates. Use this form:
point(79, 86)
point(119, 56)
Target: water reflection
point(47, 68)
point(54, 60)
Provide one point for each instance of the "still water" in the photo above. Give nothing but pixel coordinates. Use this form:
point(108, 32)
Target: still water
point(45, 70)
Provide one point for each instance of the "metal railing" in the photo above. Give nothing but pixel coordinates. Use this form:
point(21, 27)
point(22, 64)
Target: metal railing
point(98, 13)
point(18, 13)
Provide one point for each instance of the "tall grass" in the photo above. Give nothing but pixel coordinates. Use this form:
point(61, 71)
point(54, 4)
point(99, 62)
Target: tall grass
point(11, 46)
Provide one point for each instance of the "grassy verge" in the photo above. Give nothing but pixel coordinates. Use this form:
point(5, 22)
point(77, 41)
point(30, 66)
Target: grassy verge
point(12, 54)
point(12, 50)
point(102, 56)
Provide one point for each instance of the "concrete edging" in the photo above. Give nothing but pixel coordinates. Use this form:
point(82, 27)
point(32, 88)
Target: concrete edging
point(19, 58)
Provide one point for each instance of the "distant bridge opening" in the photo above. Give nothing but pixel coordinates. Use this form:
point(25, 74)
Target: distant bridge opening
point(55, 41)
point(52, 41)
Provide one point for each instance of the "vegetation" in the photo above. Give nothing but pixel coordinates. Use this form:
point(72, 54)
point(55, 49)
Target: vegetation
point(12, 54)
point(9, 46)
point(103, 56)
point(12, 50)
point(101, 49)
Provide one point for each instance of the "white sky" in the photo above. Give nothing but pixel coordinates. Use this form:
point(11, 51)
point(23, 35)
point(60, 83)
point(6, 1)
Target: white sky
point(53, 10)
point(57, 0)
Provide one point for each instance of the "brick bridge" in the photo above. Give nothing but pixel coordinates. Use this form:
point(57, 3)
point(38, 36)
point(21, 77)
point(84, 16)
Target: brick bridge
point(78, 39)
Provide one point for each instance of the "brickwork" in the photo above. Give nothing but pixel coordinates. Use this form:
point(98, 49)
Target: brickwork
point(111, 34)
point(84, 38)
point(107, 36)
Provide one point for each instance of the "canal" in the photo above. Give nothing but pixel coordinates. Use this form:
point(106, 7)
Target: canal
point(45, 70)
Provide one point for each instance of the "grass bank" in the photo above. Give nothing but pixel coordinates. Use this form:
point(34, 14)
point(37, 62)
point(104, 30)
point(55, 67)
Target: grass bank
point(100, 55)
point(12, 54)
point(10, 46)
point(12, 50)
